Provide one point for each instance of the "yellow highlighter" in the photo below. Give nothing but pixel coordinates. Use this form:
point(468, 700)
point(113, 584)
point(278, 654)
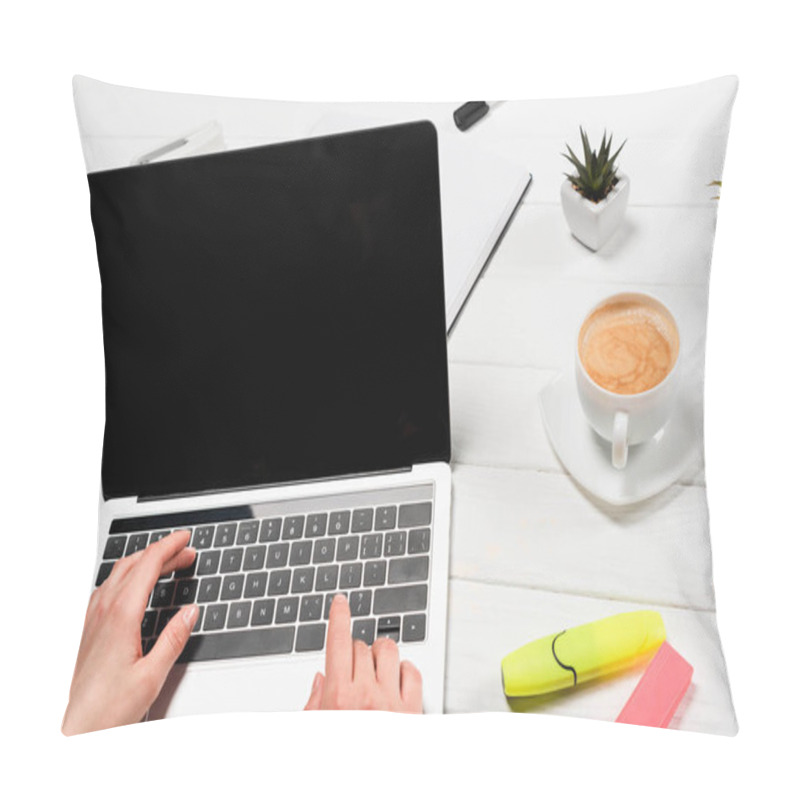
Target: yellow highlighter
point(580, 654)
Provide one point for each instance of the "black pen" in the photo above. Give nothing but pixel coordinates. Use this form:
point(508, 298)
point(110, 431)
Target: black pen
point(467, 115)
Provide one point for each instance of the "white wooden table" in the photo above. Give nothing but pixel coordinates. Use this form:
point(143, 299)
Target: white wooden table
point(532, 552)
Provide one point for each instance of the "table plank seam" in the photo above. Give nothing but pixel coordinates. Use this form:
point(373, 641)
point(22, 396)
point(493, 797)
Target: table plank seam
point(548, 471)
point(587, 595)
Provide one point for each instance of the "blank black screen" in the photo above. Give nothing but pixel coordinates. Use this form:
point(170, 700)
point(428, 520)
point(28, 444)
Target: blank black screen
point(273, 314)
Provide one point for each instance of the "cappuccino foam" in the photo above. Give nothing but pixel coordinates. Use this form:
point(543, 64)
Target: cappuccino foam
point(628, 346)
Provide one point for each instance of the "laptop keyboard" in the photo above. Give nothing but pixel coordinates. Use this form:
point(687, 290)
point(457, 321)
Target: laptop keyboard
point(264, 580)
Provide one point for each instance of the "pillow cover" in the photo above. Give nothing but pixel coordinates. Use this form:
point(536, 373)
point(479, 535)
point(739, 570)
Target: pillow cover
point(580, 560)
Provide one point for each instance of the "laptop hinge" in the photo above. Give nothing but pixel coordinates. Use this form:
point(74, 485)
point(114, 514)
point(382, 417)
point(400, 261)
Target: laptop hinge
point(303, 481)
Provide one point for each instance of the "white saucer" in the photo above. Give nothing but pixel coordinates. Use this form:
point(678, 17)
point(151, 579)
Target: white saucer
point(652, 466)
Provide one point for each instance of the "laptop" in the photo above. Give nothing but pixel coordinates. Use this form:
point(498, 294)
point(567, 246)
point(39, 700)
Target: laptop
point(276, 381)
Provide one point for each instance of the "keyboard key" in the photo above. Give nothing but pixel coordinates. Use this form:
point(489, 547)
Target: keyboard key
point(311, 607)
point(226, 535)
point(256, 584)
point(364, 629)
point(136, 542)
point(209, 590)
point(347, 549)
point(375, 573)
point(239, 615)
point(362, 520)
point(389, 626)
point(164, 616)
point(293, 527)
point(208, 562)
point(351, 576)
point(115, 548)
point(371, 545)
point(339, 522)
point(147, 646)
point(254, 557)
point(286, 610)
point(310, 637)
point(395, 544)
point(231, 560)
point(157, 536)
point(215, 618)
point(415, 515)
point(279, 582)
point(300, 554)
point(327, 578)
point(408, 570)
point(419, 541)
point(263, 612)
point(277, 555)
point(149, 623)
point(303, 580)
point(360, 603)
point(270, 530)
point(203, 537)
point(324, 551)
point(104, 572)
point(237, 644)
point(413, 627)
point(385, 518)
point(399, 599)
point(186, 592)
point(162, 595)
point(316, 525)
point(198, 623)
point(232, 586)
point(248, 532)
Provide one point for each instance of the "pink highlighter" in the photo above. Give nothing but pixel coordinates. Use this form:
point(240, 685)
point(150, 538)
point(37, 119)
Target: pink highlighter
point(659, 692)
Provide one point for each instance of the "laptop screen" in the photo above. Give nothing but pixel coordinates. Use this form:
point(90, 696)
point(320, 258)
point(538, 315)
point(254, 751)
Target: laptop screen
point(273, 314)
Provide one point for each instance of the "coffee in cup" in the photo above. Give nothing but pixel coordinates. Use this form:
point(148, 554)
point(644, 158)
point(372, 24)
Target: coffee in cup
point(629, 345)
point(627, 359)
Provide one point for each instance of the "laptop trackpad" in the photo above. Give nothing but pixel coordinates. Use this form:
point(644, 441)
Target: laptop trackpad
point(251, 684)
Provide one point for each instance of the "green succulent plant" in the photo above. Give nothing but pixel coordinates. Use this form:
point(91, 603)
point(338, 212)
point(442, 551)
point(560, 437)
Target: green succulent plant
point(596, 174)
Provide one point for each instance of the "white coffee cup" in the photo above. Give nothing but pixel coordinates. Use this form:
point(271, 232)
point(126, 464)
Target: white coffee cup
point(628, 386)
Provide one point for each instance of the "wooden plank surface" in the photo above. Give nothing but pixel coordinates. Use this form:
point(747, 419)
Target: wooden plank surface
point(655, 245)
point(540, 530)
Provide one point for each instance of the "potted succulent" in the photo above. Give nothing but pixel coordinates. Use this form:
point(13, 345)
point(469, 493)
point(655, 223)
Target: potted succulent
point(595, 196)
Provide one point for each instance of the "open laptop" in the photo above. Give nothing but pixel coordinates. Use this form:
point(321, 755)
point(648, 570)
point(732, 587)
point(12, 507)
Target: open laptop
point(276, 381)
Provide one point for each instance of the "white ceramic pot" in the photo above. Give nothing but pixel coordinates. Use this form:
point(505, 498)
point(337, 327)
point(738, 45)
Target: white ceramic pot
point(593, 224)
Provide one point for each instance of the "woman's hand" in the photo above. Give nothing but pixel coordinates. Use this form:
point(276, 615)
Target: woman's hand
point(113, 683)
point(362, 677)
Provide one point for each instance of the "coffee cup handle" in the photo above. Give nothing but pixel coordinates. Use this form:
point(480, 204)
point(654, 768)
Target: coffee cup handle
point(619, 440)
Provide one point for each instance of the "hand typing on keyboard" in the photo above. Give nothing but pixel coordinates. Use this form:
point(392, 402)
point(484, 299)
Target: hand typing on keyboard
point(363, 677)
point(113, 683)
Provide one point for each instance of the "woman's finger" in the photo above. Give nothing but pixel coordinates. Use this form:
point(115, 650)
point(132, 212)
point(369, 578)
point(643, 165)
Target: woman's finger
point(169, 645)
point(315, 699)
point(339, 647)
point(142, 577)
point(387, 663)
point(121, 568)
point(363, 664)
point(184, 559)
point(410, 688)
